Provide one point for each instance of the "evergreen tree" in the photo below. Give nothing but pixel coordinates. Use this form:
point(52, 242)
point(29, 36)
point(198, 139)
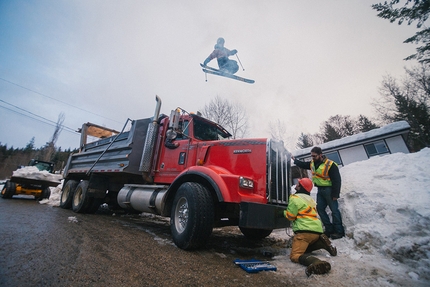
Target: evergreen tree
point(304, 141)
point(412, 10)
point(365, 125)
point(409, 101)
point(30, 146)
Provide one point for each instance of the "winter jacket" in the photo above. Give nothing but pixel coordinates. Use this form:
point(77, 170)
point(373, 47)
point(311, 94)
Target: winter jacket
point(333, 174)
point(222, 54)
point(301, 211)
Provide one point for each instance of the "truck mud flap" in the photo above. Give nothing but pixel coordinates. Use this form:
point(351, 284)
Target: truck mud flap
point(262, 216)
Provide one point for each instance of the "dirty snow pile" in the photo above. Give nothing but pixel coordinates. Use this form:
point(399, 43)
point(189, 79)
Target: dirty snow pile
point(54, 198)
point(33, 172)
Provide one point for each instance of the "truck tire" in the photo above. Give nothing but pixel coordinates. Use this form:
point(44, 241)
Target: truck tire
point(254, 233)
point(67, 194)
point(192, 216)
point(8, 190)
point(81, 200)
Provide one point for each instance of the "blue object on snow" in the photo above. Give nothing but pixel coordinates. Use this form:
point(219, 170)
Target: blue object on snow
point(254, 266)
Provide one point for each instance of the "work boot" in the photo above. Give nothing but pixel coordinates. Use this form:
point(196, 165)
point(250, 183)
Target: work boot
point(322, 243)
point(327, 245)
point(336, 236)
point(314, 265)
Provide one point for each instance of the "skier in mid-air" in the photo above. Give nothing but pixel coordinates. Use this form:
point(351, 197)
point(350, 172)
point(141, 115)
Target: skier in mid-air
point(222, 53)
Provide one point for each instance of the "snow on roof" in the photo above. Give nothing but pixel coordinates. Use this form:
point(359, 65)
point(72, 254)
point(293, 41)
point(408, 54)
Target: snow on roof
point(393, 128)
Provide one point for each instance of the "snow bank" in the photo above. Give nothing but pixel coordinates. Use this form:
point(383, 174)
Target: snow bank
point(385, 206)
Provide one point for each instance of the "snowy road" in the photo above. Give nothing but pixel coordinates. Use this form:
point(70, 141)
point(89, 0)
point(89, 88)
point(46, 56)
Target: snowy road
point(41, 245)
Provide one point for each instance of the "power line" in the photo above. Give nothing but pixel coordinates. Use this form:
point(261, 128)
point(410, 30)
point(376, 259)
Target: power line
point(42, 119)
point(76, 107)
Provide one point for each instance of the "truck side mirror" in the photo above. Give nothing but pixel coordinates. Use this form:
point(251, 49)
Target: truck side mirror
point(170, 137)
point(171, 134)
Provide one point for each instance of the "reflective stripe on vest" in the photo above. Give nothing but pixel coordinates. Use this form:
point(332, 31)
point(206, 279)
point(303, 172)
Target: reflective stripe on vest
point(320, 176)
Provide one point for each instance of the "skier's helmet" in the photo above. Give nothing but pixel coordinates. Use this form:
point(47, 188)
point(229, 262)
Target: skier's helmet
point(220, 41)
point(306, 183)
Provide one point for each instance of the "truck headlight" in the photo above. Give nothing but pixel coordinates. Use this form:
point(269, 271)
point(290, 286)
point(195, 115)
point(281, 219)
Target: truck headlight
point(246, 182)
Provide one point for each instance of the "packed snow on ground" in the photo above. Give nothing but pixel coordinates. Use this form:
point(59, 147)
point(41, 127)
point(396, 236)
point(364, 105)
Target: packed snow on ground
point(385, 205)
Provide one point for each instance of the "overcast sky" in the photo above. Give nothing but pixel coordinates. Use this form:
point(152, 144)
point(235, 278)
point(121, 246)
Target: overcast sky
point(103, 61)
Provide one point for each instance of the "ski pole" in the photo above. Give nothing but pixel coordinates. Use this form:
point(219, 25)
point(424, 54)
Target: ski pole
point(240, 62)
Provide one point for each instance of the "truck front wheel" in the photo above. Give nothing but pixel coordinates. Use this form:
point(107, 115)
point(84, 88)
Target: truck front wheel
point(255, 234)
point(67, 194)
point(192, 216)
point(81, 200)
point(46, 193)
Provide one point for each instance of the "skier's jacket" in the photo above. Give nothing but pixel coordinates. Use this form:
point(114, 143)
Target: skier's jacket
point(222, 54)
point(301, 211)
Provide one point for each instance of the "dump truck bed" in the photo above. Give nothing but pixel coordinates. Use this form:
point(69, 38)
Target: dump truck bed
point(117, 154)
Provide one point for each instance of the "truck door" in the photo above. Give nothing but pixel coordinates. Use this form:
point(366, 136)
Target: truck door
point(173, 157)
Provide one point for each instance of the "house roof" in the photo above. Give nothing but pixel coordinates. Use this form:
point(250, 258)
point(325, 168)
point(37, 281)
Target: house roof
point(393, 129)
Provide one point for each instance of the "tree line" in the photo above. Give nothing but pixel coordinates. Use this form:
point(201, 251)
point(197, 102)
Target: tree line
point(12, 158)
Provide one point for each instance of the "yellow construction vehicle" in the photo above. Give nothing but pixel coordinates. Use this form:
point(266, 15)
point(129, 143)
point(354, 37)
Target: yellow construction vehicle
point(38, 186)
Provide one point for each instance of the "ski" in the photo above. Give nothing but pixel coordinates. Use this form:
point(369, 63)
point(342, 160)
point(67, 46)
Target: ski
point(214, 71)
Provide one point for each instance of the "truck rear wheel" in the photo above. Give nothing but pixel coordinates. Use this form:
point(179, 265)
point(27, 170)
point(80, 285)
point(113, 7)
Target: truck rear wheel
point(254, 233)
point(8, 190)
point(67, 194)
point(192, 216)
point(81, 200)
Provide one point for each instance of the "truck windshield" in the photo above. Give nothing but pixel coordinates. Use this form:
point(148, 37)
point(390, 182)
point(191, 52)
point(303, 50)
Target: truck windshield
point(208, 131)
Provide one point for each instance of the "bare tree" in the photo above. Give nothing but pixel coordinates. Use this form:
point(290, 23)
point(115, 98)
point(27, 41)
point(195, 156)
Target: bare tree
point(278, 130)
point(231, 116)
point(49, 148)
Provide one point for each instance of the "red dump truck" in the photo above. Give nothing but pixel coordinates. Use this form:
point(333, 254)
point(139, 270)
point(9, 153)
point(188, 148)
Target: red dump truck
point(185, 167)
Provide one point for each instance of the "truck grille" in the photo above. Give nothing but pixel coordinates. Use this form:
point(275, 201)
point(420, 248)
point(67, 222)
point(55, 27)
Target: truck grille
point(278, 173)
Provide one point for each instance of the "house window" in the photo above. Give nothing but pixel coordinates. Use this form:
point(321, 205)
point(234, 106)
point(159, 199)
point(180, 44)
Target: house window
point(334, 156)
point(376, 148)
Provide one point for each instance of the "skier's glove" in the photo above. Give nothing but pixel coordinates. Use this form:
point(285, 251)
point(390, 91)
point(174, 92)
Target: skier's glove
point(233, 52)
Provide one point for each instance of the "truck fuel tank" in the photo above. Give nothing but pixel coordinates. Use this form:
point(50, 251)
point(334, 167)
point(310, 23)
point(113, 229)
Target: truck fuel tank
point(143, 198)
